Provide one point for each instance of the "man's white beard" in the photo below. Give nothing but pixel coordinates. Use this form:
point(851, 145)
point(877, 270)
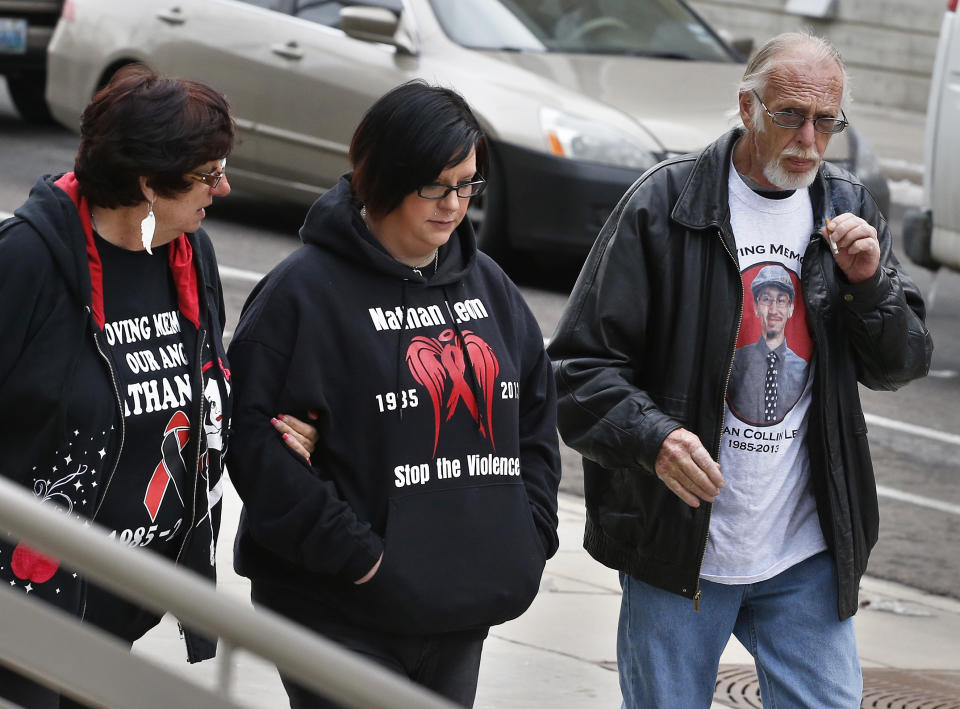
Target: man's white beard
point(778, 176)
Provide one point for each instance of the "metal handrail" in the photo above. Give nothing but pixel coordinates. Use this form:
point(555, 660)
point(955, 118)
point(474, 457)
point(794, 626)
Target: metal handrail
point(52, 647)
point(154, 582)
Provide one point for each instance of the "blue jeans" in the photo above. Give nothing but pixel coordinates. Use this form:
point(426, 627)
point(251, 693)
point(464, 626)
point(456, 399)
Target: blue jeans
point(668, 653)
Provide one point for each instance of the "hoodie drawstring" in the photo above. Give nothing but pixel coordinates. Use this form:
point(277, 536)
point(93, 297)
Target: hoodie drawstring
point(401, 360)
point(68, 379)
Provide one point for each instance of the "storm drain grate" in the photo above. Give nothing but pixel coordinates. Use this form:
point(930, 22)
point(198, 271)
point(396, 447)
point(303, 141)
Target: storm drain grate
point(737, 686)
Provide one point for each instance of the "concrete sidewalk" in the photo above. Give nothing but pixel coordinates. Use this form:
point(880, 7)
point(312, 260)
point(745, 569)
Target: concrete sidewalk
point(561, 654)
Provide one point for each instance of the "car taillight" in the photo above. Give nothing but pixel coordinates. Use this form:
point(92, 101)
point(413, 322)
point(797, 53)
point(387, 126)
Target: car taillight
point(67, 12)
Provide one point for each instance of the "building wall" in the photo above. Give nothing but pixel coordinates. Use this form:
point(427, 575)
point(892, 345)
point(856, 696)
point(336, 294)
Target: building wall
point(889, 45)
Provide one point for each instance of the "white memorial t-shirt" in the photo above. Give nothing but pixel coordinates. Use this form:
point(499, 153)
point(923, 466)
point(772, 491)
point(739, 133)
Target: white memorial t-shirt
point(765, 519)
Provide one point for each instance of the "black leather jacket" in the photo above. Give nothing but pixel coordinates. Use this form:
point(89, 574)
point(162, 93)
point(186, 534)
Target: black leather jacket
point(646, 346)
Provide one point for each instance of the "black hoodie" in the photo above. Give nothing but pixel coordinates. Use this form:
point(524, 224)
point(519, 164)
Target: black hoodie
point(438, 443)
point(60, 418)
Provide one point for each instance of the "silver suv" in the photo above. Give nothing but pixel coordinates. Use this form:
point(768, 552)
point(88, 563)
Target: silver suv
point(931, 235)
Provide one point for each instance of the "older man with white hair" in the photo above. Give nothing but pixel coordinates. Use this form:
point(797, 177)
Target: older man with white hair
point(772, 548)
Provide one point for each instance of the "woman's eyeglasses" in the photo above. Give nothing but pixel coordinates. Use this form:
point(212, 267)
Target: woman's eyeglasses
point(464, 189)
point(210, 179)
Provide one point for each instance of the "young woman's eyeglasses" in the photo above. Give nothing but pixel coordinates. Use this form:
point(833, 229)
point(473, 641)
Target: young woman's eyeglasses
point(789, 119)
point(210, 179)
point(464, 189)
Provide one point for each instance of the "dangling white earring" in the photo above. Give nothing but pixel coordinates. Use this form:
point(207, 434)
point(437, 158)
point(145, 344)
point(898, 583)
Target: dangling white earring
point(148, 228)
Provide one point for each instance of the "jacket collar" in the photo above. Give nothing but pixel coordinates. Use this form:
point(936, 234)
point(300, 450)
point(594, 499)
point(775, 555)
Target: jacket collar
point(180, 255)
point(704, 199)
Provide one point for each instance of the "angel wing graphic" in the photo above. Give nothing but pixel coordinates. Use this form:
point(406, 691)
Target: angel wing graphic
point(486, 367)
point(434, 362)
point(423, 359)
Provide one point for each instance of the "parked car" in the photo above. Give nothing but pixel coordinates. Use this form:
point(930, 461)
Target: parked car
point(25, 30)
point(931, 234)
point(578, 97)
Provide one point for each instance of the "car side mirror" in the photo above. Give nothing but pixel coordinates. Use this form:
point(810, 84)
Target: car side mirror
point(376, 24)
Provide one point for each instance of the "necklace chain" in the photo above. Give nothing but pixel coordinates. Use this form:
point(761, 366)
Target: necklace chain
point(436, 260)
point(416, 269)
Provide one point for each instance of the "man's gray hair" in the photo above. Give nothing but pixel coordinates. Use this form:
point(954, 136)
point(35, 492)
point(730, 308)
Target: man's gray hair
point(773, 54)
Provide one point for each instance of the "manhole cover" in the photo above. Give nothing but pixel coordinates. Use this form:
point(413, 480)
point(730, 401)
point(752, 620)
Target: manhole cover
point(737, 686)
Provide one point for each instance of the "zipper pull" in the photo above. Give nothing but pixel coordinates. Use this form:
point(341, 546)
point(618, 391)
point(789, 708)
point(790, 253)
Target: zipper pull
point(696, 601)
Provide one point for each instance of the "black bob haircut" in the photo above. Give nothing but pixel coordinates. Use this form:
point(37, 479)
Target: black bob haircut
point(406, 139)
point(143, 124)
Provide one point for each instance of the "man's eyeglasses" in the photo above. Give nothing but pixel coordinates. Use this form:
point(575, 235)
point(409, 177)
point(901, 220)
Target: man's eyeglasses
point(789, 119)
point(464, 189)
point(770, 301)
point(210, 179)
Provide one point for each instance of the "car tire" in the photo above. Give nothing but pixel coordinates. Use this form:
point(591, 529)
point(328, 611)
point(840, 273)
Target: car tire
point(487, 213)
point(26, 90)
point(917, 235)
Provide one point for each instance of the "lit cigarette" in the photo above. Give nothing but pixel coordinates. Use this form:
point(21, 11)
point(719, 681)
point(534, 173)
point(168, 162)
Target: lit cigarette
point(833, 244)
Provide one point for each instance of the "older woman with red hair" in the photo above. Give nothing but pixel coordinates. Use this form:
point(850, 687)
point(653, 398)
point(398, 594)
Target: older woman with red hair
point(114, 383)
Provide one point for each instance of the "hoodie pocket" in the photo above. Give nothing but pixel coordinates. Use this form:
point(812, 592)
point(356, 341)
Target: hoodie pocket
point(452, 560)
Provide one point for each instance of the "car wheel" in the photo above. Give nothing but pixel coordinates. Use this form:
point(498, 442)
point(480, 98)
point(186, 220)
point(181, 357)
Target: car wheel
point(487, 213)
point(26, 90)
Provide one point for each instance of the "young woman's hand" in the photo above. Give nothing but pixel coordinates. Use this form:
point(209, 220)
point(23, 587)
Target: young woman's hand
point(371, 573)
point(299, 435)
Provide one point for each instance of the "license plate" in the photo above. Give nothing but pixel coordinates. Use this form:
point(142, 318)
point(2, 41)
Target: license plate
point(13, 36)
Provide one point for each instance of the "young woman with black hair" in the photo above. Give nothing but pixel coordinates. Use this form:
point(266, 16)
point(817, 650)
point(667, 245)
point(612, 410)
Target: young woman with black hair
point(114, 384)
point(430, 506)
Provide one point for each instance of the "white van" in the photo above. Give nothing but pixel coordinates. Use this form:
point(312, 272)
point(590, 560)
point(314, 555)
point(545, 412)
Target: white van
point(931, 235)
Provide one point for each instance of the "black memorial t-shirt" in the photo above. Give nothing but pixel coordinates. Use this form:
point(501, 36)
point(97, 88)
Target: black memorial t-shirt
point(144, 502)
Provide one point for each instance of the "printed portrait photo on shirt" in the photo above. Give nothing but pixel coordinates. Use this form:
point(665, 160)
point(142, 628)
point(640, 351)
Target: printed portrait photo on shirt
point(771, 363)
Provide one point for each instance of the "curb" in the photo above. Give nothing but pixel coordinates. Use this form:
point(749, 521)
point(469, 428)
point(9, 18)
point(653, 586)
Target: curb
point(901, 170)
point(871, 585)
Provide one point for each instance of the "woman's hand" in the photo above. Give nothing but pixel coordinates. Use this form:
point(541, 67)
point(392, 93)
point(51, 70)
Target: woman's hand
point(371, 573)
point(299, 435)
